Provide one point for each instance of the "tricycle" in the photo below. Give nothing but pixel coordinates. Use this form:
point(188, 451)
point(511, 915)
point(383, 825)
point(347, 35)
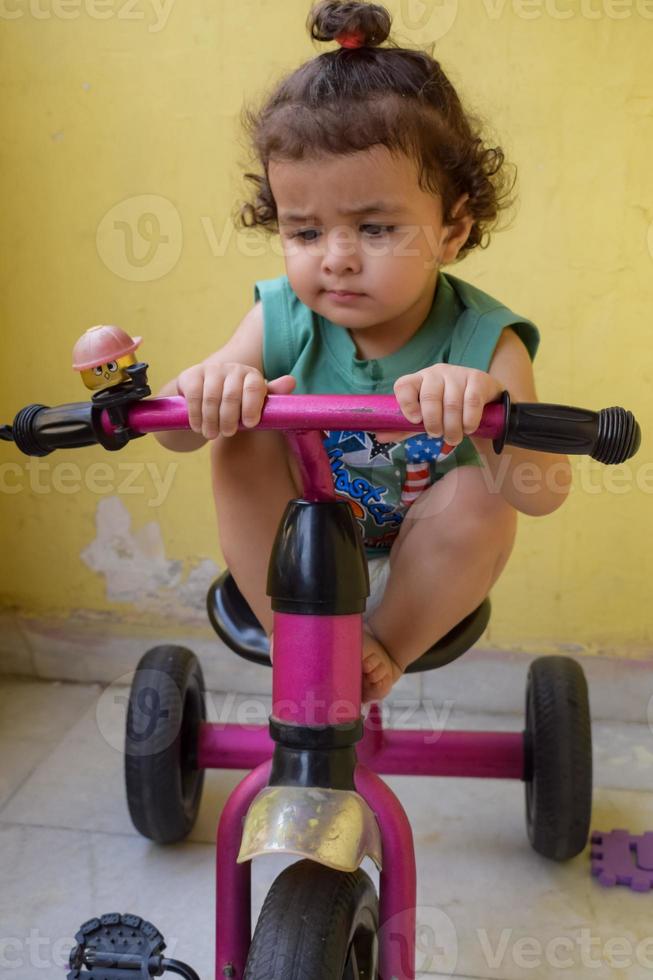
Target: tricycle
point(314, 789)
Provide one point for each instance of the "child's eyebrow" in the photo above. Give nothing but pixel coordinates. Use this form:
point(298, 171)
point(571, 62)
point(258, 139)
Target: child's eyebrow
point(375, 207)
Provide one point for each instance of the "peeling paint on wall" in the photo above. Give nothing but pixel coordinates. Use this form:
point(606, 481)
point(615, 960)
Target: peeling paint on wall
point(136, 569)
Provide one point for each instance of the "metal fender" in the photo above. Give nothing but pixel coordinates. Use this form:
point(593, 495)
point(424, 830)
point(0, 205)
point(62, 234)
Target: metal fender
point(335, 827)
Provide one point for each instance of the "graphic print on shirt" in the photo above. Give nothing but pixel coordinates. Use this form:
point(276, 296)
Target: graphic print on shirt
point(380, 480)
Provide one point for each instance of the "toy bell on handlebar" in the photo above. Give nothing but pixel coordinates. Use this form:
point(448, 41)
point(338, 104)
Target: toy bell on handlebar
point(104, 356)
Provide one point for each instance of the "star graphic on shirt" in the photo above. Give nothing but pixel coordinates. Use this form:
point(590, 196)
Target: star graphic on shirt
point(422, 448)
point(349, 441)
point(381, 448)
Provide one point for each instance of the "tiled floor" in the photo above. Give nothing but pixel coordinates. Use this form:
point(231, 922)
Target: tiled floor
point(488, 905)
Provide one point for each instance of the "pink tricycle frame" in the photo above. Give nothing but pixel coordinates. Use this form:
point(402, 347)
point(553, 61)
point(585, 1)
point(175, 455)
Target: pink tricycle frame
point(317, 664)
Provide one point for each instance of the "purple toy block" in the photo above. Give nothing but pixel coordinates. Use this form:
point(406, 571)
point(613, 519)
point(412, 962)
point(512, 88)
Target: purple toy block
point(620, 858)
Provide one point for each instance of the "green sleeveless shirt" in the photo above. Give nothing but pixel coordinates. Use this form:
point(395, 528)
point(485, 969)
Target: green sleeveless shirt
point(381, 480)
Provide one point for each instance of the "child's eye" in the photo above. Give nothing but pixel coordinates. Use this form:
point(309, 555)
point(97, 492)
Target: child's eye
point(381, 228)
point(311, 231)
point(300, 235)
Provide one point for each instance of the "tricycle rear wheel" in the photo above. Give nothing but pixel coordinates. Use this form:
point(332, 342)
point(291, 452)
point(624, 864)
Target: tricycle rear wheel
point(558, 742)
point(164, 714)
point(316, 922)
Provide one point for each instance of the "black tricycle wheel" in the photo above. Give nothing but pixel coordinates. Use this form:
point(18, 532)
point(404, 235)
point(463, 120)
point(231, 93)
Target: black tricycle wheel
point(558, 744)
point(319, 923)
point(166, 708)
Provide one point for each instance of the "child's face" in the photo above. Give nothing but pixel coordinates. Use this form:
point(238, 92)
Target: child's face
point(394, 269)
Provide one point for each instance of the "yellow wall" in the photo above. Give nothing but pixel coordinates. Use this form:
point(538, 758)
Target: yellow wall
point(108, 120)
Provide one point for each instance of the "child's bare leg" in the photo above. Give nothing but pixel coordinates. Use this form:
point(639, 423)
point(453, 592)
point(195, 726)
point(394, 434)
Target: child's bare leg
point(254, 476)
point(451, 549)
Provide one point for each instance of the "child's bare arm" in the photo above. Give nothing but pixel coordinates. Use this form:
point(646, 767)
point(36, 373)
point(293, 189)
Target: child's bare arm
point(535, 483)
point(223, 385)
point(178, 440)
point(448, 399)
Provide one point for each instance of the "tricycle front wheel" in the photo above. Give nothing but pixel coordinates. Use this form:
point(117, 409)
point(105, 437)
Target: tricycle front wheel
point(319, 923)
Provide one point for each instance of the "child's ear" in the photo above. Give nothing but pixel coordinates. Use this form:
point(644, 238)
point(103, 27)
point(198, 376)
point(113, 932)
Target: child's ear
point(459, 210)
point(457, 230)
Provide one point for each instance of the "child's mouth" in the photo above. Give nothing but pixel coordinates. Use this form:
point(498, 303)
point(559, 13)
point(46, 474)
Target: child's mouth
point(343, 297)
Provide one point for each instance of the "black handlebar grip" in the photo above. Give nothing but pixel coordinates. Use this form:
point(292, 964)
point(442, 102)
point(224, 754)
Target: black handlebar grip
point(38, 429)
point(611, 435)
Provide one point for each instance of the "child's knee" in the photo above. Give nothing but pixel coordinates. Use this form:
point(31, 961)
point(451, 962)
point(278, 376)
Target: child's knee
point(264, 451)
point(248, 445)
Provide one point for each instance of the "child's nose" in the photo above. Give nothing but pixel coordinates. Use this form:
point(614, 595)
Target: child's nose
point(341, 252)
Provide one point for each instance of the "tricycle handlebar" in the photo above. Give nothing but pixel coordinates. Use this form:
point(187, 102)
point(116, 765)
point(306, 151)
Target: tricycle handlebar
point(611, 435)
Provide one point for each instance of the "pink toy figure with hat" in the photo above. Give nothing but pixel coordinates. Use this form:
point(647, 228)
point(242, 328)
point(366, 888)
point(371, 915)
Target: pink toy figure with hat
point(105, 358)
point(102, 354)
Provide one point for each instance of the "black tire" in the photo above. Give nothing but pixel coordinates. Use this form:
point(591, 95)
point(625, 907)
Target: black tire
point(558, 742)
point(165, 710)
point(316, 924)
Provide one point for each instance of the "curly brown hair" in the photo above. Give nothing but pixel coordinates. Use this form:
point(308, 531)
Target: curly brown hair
point(351, 99)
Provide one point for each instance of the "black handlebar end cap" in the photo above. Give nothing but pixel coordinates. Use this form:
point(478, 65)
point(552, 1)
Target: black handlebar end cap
point(23, 434)
point(500, 441)
point(618, 436)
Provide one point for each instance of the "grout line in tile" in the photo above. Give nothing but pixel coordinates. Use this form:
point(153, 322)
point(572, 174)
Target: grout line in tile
point(28, 776)
point(103, 833)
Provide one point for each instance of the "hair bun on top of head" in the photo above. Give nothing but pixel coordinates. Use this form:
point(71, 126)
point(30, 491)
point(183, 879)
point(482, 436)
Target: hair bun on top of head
point(352, 25)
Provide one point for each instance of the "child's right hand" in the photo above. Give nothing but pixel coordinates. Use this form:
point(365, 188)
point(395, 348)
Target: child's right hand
point(219, 394)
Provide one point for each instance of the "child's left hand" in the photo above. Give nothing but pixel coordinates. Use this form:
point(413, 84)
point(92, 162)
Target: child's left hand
point(447, 398)
point(380, 672)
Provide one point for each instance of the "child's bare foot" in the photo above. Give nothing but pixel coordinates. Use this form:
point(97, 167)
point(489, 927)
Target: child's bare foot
point(380, 672)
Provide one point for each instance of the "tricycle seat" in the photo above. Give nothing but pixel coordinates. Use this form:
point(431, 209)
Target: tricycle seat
point(238, 627)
